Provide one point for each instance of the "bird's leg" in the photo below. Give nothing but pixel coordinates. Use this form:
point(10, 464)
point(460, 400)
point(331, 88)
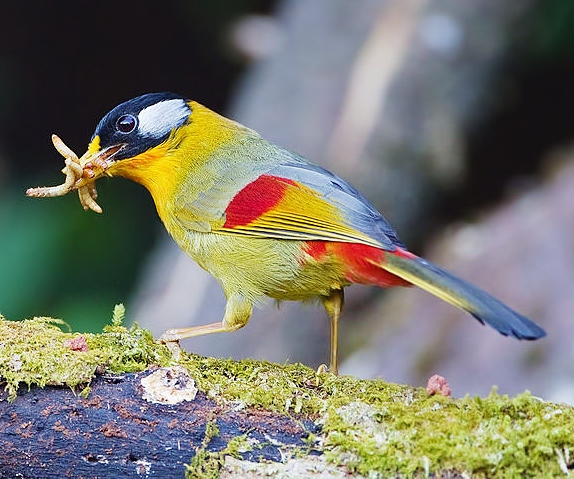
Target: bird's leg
point(334, 305)
point(237, 312)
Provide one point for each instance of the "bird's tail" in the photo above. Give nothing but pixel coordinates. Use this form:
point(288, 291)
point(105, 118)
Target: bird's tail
point(462, 294)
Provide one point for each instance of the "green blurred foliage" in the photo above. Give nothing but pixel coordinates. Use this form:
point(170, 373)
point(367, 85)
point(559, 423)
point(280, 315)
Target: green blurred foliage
point(61, 261)
point(553, 36)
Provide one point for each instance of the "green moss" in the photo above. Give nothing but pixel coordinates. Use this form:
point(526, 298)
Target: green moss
point(287, 388)
point(414, 433)
point(34, 352)
point(372, 426)
point(206, 464)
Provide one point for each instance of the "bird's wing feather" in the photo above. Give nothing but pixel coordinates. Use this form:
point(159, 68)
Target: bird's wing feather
point(301, 201)
point(278, 194)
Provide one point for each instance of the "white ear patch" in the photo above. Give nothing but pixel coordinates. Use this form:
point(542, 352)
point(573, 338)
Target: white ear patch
point(158, 120)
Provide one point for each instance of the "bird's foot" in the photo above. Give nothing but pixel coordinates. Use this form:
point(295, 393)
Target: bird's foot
point(173, 346)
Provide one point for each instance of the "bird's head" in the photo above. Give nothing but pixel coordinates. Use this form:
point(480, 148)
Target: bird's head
point(132, 139)
point(160, 140)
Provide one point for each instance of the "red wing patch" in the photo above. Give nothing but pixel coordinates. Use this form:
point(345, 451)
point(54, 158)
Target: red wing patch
point(255, 199)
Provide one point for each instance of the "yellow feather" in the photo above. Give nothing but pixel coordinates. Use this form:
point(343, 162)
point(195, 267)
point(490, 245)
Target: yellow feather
point(302, 214)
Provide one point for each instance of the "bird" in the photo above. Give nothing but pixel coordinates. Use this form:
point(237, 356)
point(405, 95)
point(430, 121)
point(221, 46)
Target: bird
point(265, 221)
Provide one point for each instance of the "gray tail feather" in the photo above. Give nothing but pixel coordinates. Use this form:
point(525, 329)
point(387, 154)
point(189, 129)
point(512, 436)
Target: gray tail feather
point(460, 293)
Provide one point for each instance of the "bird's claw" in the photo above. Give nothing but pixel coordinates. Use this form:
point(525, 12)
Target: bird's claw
point(174, 348)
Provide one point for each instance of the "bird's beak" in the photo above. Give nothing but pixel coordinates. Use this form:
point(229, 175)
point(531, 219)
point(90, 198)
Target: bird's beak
point(96, 162)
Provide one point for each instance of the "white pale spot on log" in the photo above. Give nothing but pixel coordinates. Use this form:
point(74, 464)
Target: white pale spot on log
point(169, 386)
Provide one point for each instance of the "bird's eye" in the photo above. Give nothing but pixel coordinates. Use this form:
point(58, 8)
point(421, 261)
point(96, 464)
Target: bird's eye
point(126, 123)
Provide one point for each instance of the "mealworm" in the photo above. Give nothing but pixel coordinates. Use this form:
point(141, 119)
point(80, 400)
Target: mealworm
point(74, 171)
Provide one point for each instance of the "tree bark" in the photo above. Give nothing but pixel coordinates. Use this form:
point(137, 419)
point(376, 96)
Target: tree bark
point(114, 432)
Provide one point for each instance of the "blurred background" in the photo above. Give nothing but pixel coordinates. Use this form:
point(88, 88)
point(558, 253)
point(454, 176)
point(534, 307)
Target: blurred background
point(456, 119)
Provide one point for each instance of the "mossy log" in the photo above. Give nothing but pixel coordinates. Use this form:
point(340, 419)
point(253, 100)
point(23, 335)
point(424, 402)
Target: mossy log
point(119, 404)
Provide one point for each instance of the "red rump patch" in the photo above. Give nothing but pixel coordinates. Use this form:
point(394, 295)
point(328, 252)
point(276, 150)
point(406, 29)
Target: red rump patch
point(255, 199)
point(362, 264)
point(316, 249)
